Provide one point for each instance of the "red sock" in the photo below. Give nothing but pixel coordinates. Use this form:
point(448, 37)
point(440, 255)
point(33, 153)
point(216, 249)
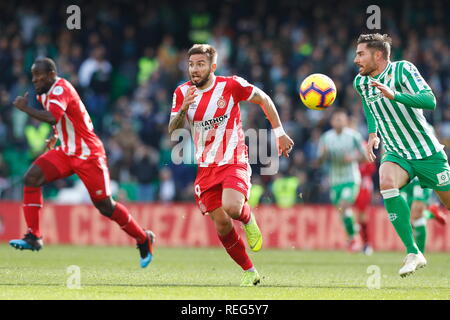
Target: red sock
point(246, 214)
point(363, 233)
point(127, 223)
point(236, 249)
point(32, 204)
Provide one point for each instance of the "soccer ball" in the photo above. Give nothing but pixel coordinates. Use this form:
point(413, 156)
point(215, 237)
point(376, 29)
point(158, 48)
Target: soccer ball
point(317, 91)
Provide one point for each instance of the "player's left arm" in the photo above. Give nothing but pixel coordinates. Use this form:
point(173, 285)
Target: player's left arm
point(285, 143)
point(421, 95)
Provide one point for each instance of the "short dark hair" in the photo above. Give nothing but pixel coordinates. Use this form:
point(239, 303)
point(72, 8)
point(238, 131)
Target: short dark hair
point(377, 41)
point(47, 63)
point(206, 49)
point(339, 111)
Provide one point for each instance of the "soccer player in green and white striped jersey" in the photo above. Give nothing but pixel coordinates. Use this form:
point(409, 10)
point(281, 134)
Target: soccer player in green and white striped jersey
point(343, 148)
point(394, 95)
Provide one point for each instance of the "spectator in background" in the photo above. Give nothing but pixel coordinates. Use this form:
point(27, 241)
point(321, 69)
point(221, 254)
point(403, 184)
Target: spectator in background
point(19, 119)
point(166, 185)
point(148, 131)
point(147, 65)
point(3, 133)
point(286, 189)
point(5, 62)
point(36, 133)
point(167, 54)
point(95, 77)
point(256, 192)
point(29, 20)
point(42, 47)
point(4, 176)
point(145, 172)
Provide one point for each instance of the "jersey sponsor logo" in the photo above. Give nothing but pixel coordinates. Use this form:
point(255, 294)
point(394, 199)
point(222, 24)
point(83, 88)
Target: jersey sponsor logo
point(58, 91)
point(443, 178)
point(417, 77)
point(211, 124)
point(415, 73)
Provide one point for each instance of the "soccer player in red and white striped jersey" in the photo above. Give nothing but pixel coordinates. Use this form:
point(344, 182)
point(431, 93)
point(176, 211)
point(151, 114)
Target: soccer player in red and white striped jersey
point(210, 103)
point(81, 152)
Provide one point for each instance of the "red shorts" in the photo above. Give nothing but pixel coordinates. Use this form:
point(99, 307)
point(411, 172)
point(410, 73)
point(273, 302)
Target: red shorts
point(210, 182)
point(363, 199)
point(94, 173)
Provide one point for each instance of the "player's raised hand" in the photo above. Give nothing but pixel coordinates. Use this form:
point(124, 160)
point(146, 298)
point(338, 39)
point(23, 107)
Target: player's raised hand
point(285, 145)
point(21, 102)
point(189, 98)
point(373, 142)
point(385, 90)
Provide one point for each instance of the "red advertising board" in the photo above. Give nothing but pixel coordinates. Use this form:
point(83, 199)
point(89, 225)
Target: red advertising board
point(305, 227)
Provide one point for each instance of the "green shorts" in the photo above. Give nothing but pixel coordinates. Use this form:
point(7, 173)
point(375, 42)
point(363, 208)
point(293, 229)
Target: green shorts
point(344, 192)
point(433, 172)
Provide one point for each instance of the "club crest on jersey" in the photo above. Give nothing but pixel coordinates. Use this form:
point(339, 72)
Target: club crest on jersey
point(58, 91)
point(221, 103)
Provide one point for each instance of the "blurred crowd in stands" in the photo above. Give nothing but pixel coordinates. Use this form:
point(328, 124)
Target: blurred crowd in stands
point(128, 57)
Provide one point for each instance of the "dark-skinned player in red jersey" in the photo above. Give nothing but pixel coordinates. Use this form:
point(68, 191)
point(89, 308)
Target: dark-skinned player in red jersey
point(81, 152)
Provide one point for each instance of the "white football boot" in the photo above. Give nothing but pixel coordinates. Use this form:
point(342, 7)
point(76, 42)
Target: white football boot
point(412, 262)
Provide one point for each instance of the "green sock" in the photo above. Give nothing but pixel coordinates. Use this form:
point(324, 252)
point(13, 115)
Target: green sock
point(399, 215)
point(420, 230)
point(347, 219)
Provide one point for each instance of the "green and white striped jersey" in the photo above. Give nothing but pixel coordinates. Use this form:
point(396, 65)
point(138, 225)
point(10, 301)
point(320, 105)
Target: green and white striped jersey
point(404, 130)
point(337, 146)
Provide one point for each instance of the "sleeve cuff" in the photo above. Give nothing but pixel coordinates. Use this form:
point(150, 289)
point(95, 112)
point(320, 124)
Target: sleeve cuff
point(252, 94)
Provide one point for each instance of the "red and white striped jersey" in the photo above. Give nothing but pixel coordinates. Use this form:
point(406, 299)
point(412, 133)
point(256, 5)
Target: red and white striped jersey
point(215, 120)
point(73, 124)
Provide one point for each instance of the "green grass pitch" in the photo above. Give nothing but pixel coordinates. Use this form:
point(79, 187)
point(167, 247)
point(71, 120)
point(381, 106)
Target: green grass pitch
point(189, 273)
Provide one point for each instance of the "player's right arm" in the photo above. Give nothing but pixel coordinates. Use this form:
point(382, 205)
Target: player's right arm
point(21, 103)
point(177, 120)
point(373, 141)
point(284, 142)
